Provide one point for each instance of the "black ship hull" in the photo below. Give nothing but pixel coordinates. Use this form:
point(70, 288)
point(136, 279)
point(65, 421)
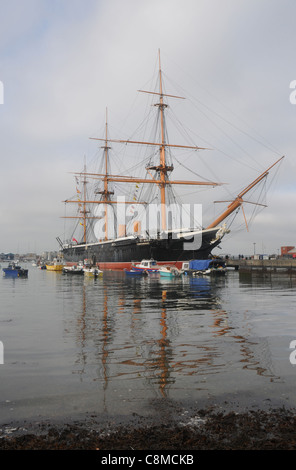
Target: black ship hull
point(121, 253)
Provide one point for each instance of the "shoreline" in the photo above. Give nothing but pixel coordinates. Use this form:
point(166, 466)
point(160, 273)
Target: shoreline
point(201, 429)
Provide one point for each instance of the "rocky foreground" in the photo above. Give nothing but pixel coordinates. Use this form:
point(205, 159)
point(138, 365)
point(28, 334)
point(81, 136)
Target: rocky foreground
point(205, 430)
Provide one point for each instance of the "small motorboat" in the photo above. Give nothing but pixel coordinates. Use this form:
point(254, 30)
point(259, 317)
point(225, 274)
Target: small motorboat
point(146, 265)
point(56, 265)
point(75, 269)
point(134, 273)
point(215, 266)
point(92, 271)
point(14, 270)
point(169, 271)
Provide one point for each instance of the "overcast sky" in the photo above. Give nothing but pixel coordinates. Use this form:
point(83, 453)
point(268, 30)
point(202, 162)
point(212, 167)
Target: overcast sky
point(62, 62)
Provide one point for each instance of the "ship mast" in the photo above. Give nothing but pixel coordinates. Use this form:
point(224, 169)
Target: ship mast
point(160, 178)
point(238, 201)
point(162, 169)
point(84, 211)
point(106, 193)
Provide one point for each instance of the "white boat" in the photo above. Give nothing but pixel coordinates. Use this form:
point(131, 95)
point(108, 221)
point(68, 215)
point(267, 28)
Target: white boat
point(75, 269)
point(146, 265)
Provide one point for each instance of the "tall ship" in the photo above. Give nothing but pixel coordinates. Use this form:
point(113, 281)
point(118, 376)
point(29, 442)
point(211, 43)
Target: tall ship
point(117, 230)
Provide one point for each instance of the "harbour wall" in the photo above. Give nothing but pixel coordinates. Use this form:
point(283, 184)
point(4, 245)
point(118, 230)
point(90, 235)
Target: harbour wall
point(286, 265)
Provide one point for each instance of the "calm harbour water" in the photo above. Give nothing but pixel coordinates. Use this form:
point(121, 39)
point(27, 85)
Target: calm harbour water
point(119, 346)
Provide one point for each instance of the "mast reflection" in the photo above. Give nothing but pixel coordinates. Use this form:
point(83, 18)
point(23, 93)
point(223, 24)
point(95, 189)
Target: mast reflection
point(149, 332)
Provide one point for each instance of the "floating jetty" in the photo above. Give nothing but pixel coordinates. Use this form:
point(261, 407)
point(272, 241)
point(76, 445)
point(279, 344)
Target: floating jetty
point(280, 265)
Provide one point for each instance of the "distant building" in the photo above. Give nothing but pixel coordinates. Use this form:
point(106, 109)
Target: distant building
point(49, 255)
point(288, 251)
point(292, 253)
point(29, 256)
point(6, 256)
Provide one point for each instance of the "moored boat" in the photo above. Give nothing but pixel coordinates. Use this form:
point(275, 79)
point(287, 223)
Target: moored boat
point(146, 266)
point(199, 267)
point(14, 270)
point(56, 265)
point(74, 269)
point(133, 273)
point(92, 271)
point(169, 271)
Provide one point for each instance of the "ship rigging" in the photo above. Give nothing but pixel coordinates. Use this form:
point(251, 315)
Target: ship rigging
point(117, 248)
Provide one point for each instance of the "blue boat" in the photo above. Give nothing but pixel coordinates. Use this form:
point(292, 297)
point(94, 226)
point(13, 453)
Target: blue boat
point(133, 273)
point(201, 267)
point(14, 270)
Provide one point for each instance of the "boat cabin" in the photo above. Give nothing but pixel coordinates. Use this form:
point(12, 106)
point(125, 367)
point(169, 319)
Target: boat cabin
point(146, 265)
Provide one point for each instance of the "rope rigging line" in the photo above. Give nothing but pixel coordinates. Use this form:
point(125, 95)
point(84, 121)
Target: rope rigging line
point(267, 145)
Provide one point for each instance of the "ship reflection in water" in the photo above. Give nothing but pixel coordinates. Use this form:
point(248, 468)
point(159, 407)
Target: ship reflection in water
point(139, 338)
point(119, 346)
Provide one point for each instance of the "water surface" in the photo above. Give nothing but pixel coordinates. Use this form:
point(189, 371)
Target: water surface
point(120, 346)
